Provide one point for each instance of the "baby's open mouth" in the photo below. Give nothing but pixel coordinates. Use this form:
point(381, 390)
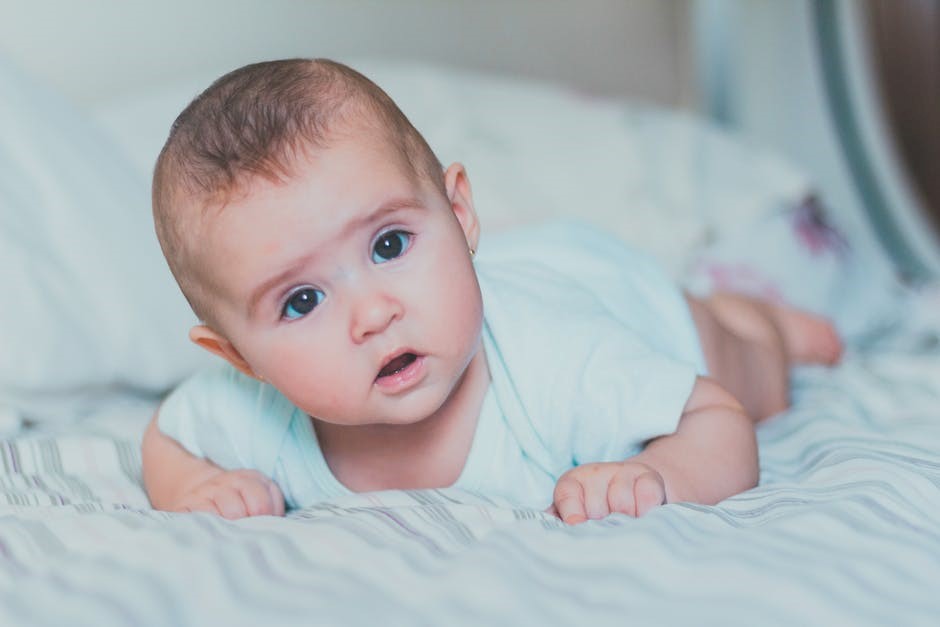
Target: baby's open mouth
point(397, 364)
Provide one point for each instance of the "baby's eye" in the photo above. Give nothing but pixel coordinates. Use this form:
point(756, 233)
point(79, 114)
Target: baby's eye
point(390, 245)
point(302, 302)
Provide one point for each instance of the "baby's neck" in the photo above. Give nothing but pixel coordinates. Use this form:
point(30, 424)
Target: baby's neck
point(430, 453)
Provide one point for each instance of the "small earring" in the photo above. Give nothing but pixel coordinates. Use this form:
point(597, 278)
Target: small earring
point(472, 251)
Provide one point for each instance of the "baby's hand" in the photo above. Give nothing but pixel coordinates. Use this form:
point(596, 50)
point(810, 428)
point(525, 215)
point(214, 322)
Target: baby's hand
point(234, 494)
point(596, 490)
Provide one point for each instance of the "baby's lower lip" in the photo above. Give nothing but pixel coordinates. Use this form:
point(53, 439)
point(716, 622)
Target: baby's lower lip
point(403, 379)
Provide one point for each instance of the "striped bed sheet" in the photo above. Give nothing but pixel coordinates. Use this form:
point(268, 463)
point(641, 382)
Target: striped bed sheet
point(844, 529)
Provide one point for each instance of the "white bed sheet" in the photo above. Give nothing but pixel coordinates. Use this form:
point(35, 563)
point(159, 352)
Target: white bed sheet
point(844, 529)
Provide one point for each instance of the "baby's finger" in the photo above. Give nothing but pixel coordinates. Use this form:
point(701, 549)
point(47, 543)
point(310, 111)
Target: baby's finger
point(569, 500)
point(229, 504)
point(277, 498)
point(202, 505)
point(256, 496)
point(649, 491)
point(262, 496)
point(595, 481)
point(620, 496)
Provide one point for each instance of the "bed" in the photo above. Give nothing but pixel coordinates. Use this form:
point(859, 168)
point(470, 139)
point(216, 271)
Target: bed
point(843, 529)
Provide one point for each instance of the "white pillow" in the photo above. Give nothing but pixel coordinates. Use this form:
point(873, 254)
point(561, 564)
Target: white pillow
point(89, 305)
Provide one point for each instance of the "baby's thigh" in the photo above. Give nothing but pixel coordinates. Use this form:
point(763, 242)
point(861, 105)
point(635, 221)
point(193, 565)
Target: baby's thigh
point(718, 343)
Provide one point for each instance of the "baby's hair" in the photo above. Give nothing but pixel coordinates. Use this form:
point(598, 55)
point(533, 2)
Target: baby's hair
point(258, 122)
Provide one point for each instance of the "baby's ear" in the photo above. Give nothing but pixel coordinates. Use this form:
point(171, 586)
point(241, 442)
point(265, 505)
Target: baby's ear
point(219, 345)
point(457, 186)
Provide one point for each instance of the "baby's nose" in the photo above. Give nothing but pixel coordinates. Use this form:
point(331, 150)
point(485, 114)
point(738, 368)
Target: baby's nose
point(373, 313)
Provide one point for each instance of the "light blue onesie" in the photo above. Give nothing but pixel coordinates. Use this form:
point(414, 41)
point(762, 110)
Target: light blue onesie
point(591, 349)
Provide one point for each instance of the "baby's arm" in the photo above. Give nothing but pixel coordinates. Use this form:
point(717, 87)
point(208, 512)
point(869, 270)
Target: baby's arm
point(712, 455)
point(178, 481)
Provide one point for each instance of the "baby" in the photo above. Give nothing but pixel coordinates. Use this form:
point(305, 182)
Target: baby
point(331, 261)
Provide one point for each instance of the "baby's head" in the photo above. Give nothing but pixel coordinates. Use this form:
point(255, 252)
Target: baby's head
point(317, 238)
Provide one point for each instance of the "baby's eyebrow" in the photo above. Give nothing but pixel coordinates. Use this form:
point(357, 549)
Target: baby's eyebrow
point(266, 287)
point(389, 206)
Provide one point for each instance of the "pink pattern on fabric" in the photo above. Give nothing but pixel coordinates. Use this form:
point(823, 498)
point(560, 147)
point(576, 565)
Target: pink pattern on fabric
point(813, 230)
point(744, 279)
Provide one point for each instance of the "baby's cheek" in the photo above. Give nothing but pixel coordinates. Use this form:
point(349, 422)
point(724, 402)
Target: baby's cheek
point(335, 399)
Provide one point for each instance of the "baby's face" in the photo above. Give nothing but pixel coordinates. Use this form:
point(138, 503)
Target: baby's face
point(350, 288)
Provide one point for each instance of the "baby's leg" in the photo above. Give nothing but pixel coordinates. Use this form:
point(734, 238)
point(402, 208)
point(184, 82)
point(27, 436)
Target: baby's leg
point(749, 345)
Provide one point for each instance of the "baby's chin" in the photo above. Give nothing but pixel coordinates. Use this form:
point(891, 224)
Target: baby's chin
point(423, 405)
point(391, 412)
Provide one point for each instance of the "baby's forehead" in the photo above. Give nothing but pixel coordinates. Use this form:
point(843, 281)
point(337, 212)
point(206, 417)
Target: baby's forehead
point(257, 189)
point(255, 197)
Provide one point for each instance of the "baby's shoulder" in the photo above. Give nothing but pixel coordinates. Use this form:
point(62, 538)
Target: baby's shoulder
point(220, 382)
point(554, 301)
point(228, 417)
point(564, 302)
point(222, 394)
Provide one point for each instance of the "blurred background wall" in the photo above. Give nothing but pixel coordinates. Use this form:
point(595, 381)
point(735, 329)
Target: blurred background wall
point(806, 78)
point(93, 48)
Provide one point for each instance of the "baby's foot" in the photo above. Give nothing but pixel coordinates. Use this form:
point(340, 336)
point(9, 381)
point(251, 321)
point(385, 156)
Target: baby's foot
point(807, 338)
